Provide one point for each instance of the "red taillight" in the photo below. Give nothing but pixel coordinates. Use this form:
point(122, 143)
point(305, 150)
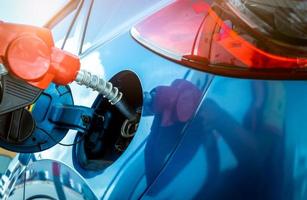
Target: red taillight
point(205, 36)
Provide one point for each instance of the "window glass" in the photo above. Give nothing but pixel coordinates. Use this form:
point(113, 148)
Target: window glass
point(35, 12)
point(60, 30)
point(108, 18)
point(73, 42)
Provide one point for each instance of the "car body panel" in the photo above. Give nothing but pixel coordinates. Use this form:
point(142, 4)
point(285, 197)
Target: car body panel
point(246, 142)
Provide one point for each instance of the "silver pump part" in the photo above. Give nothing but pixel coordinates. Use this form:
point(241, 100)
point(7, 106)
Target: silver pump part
point(98, 84)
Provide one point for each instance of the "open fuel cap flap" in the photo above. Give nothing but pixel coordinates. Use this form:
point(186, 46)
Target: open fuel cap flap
point(110, 132)
point(43, 124)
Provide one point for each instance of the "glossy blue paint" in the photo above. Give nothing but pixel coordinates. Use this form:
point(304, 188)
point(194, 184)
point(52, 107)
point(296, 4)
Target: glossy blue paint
point(235, 144)
point(246, 139)
point(54, 114)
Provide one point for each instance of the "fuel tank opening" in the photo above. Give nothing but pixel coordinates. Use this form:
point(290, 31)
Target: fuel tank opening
point(111, 131)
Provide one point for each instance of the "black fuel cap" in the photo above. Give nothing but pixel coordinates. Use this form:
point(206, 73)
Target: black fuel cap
point(16, 126)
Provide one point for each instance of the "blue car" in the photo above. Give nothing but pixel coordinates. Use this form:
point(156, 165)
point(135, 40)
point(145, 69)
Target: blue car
point(219, 90)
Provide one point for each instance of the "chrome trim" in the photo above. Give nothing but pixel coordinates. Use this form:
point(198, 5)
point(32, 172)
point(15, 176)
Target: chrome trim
point(137, 36)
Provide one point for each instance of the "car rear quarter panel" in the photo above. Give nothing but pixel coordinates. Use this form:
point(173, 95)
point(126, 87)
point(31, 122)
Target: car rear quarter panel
point(248, 141)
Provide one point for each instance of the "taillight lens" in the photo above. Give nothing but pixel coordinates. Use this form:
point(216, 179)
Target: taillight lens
point(211, 37)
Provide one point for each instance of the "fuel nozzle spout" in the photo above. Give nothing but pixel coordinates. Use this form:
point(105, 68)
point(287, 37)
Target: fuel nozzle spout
point(110, 92)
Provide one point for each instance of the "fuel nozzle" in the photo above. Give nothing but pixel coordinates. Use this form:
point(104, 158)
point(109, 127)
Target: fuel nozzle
point(28, 53)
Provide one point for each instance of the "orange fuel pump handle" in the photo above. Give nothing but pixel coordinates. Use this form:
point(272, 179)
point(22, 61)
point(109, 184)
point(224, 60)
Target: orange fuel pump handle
point(28, 53)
